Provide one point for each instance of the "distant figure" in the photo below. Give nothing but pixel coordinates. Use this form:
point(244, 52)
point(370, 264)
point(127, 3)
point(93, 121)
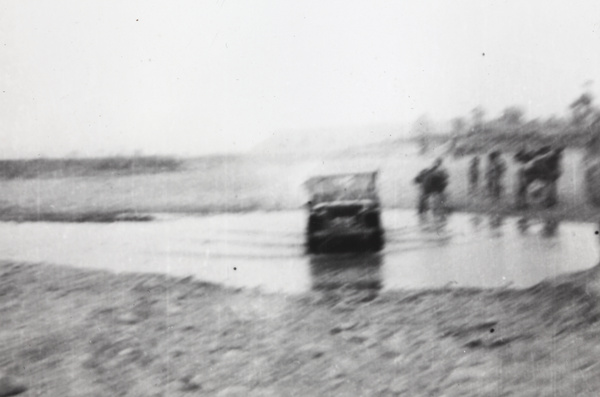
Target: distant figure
point(474, 174)
point(423, 145)
point(496, 168)
point(432, 181)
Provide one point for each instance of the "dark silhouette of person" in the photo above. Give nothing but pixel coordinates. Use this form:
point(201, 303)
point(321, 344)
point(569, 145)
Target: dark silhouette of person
point(474, 174)
point(432, 180)
point(496, 168)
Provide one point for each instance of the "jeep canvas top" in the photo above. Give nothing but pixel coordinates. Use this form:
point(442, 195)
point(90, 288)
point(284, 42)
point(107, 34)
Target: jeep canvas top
point(343, 188)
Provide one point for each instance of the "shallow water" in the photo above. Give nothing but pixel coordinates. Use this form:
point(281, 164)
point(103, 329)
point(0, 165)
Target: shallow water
point(265, 249)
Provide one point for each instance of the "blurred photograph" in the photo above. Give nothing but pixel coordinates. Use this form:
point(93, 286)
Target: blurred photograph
point(299, 198)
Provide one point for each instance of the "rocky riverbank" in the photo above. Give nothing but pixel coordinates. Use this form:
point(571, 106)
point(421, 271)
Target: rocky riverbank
point(71, 332)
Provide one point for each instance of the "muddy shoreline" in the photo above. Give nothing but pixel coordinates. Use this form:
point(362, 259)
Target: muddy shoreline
point(73, 217)
point(75, 332)
point(562, 212)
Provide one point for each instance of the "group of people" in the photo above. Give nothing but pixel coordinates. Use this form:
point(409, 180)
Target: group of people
point(541, 165)
point(494, 175)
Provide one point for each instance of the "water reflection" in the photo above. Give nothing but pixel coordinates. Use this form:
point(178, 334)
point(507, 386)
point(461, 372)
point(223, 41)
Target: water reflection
point(355, 272)
point(549, 227)
point(523, 225)
point(265, 250)
point(435, 224)
point(476, 221)
point(496, 222)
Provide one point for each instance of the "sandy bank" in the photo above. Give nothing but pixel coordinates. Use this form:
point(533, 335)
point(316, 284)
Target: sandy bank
point(72, 332)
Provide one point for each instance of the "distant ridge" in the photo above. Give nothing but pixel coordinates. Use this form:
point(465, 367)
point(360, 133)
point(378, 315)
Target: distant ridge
point(331, 139)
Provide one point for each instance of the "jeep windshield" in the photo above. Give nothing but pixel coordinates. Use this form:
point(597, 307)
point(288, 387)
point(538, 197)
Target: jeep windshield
point(342, 188)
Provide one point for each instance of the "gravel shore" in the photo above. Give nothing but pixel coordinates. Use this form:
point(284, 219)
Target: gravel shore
point(71, 332)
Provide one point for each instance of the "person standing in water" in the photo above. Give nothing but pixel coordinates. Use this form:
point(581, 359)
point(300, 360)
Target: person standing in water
point(432, 181)
point(496, 168)
point(474, 174)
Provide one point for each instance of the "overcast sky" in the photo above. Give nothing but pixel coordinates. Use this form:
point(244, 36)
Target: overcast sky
point(194, 77)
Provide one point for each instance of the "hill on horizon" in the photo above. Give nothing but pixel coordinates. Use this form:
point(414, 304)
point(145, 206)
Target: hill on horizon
point(330, 139)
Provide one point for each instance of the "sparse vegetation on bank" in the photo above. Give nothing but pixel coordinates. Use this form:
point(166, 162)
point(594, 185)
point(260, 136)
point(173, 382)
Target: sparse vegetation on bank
point(60, 168)
point(19, 215)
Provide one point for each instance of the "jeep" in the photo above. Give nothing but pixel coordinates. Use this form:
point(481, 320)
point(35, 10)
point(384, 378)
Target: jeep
point(344, 213)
